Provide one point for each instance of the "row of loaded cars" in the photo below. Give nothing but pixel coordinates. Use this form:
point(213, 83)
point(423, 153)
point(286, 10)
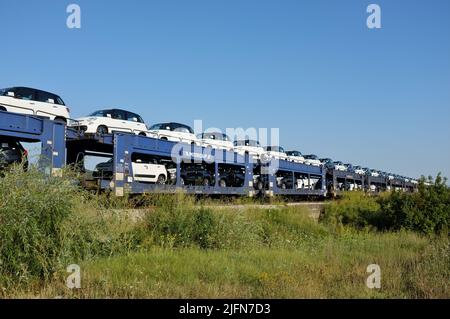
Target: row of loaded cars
point(45, 104)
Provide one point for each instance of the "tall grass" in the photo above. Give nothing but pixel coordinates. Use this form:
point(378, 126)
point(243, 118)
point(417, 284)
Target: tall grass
point(177, 246)
point(33, 209)
point(48, 222)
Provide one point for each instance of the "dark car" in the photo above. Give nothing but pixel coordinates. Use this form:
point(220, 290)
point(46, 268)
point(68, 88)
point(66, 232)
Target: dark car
point(286, 181)
point(11, 152)
point(198, 174)
point(231, 176)
point(203, 175)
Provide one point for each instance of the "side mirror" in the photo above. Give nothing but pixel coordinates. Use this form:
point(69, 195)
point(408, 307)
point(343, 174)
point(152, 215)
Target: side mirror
point(134, 119)
point(108, 115)
point(11, 94)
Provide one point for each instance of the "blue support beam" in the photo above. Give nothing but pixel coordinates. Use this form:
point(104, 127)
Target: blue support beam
point(32, 129)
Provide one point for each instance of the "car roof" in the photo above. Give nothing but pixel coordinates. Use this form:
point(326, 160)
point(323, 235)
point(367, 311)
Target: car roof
point(30, 88)
point(214, 133)
point(116, 109)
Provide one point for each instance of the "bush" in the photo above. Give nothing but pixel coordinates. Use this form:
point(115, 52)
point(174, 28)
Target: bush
point(354, 208)
point(426, 211)
point(176, 221)
point(33, 209)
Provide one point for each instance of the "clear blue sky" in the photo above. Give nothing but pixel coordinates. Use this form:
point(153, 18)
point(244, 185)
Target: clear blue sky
point(379, 98)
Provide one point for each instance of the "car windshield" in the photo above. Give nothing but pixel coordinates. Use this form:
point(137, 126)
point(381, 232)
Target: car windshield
point(215, 136)
point(247, 143)
point(176, 127)
point(313, 157)
point(294, 153)
point(101, 113)
point(278, 149)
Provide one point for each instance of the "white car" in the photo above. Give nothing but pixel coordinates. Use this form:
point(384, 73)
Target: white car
point(107, 121)
point(339, 166)
point(295, 156)
point(216, 140)
point(149, 173)
point(251, 147)
point(34, 102)
point(373, 173)
point(312, 160)
point(175, 132)
point(276, 152)
point(142, 172)
point(359, 170)
point(327, 162)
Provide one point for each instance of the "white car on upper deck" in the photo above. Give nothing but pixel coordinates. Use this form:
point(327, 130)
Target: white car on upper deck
point(251, 147)
point(295, 156)
point(31, 101)
point(216, 140)
point(175, 132)
point(109, 120)
point(276, 152)
point(312, 160)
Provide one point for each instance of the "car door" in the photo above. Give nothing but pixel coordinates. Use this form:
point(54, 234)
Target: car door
point(23, 101)
point(119, 122)
point(45, 104)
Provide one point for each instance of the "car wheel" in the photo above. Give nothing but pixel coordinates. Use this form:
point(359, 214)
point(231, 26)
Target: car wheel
point(102, 130)
point(2, 108)
point(164, 138)
point(222, 183)
point(60, 120)
point(142, 134)
point(205, 182)
point(161, 180)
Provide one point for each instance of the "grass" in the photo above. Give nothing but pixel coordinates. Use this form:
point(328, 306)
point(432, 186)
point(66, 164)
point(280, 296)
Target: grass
point(411, 268)
point(179, 247)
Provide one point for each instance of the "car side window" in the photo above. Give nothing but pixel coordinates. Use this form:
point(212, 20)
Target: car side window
point(133, 117)
point(45, 97)
point(117, 115)
point(24, 94)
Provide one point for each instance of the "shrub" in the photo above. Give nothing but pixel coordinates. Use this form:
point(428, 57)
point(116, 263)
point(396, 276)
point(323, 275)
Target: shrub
point(427, 211)
point(354, 208)
point(33, 208)
point(176, 221)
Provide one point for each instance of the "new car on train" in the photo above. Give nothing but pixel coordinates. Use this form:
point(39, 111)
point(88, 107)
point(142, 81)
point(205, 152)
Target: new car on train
point(109, 120)
point(175, 132)
point(25, 100)
point(216, 140)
